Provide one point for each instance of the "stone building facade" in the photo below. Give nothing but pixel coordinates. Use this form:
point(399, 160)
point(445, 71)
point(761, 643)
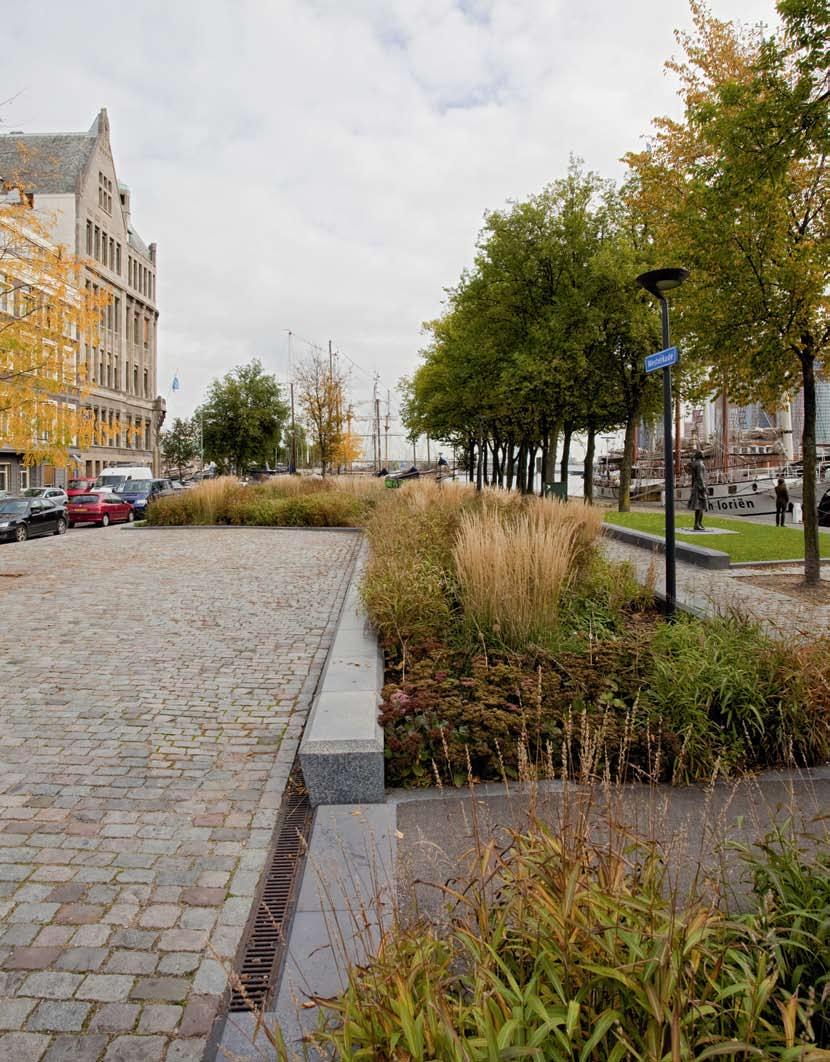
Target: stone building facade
point(73, 180)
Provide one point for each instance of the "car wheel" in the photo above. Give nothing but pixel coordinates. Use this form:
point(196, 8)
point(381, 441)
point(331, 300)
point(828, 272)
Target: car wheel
point(130, 516)
point(105, 520)
point(61, 528)
point(21, 534)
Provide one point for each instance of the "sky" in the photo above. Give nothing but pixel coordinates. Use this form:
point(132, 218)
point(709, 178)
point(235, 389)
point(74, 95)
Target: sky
point(323, 166)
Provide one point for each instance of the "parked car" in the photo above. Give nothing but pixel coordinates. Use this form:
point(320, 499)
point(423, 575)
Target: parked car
point(79, 486)
point(141, 492)
point(102, 509)
point(177, 484)
point(115, 477)
point(22, 518)
point(824, 510)
point(57, 494)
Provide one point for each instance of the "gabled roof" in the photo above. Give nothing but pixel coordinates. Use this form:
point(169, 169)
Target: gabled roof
point(48, 163)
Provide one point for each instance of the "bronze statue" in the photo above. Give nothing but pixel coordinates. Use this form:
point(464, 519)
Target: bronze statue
point(698, 499)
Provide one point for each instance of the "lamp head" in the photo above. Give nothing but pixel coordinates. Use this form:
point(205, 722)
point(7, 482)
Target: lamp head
point(659, 281)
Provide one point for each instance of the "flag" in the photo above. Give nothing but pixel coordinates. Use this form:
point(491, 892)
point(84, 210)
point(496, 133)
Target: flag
point(175, 385)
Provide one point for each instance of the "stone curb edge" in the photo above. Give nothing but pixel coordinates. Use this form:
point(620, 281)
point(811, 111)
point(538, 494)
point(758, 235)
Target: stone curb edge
point(341, 753)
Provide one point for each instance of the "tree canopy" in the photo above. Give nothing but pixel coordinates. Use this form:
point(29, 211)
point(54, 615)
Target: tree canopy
point(242, 418)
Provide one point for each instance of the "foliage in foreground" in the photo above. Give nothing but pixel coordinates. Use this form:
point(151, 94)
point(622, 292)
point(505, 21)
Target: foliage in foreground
point(284, 502)
point(564, 948)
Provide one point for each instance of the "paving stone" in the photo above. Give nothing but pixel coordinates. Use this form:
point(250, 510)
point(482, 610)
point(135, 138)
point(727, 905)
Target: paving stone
point(135, 1049)
point(159, 1018)
point(199, 1015)
point(211, 978)
point(185, 1051)
point(48, 984)
point(13, 1013)
point(160, 916)
point(132, 962)
point(183, 940)
point(78, 914)
point(81, 958)
point(76, 1048)
point(170, 989)
point(106, 988)
point(115, 1017)
point(201, 896)
point(91, 936)
point(23, 1046)
point(58, 1016)
point(179, 963)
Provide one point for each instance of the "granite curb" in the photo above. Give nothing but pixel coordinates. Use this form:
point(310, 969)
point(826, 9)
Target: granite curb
point(341, 753)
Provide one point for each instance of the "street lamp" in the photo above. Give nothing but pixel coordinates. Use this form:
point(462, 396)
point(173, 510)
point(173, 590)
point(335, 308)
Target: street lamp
point(658, 282)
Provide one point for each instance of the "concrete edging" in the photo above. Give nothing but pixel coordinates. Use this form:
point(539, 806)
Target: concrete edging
point(238, 527)
point(341, 753)
point(713, 559)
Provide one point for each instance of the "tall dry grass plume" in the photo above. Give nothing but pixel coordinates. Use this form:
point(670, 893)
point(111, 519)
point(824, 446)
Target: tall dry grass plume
point(513, 567)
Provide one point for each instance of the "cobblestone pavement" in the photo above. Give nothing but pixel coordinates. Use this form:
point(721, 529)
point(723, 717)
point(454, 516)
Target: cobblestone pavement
point(154, 688)
point(717, 590)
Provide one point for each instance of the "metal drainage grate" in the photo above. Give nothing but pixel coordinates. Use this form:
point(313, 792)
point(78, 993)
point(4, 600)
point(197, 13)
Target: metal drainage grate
point(266, 938)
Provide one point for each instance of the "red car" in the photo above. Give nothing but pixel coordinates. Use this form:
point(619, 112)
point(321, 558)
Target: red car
point(79, 486)
point(100, 509)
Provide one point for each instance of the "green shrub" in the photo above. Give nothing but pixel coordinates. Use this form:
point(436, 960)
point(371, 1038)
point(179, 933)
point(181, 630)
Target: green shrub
point(792, 886)
point(584, 952)
point(326, 509)
point(728, 690)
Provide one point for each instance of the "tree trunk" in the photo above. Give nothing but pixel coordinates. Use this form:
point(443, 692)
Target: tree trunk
point(471, 459)
point(812, 567)
point(479, 465)
point(496, 477)
point(531, 467)
point(545, 449)
point(624, 495)
point(566, 453)
point(588, 466)
point(511, 462)
point(521, 471)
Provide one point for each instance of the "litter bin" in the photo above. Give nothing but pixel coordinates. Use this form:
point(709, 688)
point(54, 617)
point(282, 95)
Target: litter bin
point(557, 490)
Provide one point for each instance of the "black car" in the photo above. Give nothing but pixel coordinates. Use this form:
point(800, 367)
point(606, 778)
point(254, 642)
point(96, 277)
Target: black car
point(823, 510)
point(22, 518)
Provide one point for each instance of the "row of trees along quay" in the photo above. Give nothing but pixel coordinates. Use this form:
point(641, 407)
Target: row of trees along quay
point(249, 419)
point(545, 334)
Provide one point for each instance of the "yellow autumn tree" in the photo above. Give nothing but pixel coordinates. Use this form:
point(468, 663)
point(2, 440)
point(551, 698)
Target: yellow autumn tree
point(47, 317)
point(321, 389)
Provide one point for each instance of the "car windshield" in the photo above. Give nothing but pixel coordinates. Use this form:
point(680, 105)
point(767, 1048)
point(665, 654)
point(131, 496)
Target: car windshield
point(79, 484)
point(85, 499)
point(135, 486)
point(10, 506)
point(34, 492)
point(113, 482)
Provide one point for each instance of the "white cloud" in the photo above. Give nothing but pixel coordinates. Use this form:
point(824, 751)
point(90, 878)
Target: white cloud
point(324, 166)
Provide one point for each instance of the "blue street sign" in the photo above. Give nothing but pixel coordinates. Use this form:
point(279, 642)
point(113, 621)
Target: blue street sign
point(663, 359)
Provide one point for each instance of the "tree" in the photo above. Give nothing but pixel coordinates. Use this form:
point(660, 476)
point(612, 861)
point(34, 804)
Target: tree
point(180, 445)
point(47, 314)
point(243, 418)
point(740, 192)
point(321, 390)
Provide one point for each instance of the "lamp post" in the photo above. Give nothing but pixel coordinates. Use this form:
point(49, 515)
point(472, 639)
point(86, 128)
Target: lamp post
point(657, 282)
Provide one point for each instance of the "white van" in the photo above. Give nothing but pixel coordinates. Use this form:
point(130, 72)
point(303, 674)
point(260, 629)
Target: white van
point(113, 478)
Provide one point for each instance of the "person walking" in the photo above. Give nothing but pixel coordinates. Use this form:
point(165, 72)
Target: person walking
point(782, 500)
point(698, 499)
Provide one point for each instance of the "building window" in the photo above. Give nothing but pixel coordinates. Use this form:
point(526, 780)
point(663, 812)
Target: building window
point(116, 373)
point(23, 478)
point(118, 259)
point(146, 333)
point(116, 314)
point(103, 248)
point(146, 385)
point(135, 379)
point(97, 248)
point(135, 328)
point(89, 237)
point(112, 253)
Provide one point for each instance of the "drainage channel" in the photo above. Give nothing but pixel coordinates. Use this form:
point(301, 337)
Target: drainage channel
point(259, 968)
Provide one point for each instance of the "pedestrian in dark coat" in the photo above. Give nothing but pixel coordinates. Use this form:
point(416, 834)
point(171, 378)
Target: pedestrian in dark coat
point(698, 499)
point(782, 500)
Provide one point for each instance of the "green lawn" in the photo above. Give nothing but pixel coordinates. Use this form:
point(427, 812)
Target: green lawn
point(753, 542)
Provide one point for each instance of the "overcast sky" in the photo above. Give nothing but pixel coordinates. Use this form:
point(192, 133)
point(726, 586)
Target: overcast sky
point(323, 165)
